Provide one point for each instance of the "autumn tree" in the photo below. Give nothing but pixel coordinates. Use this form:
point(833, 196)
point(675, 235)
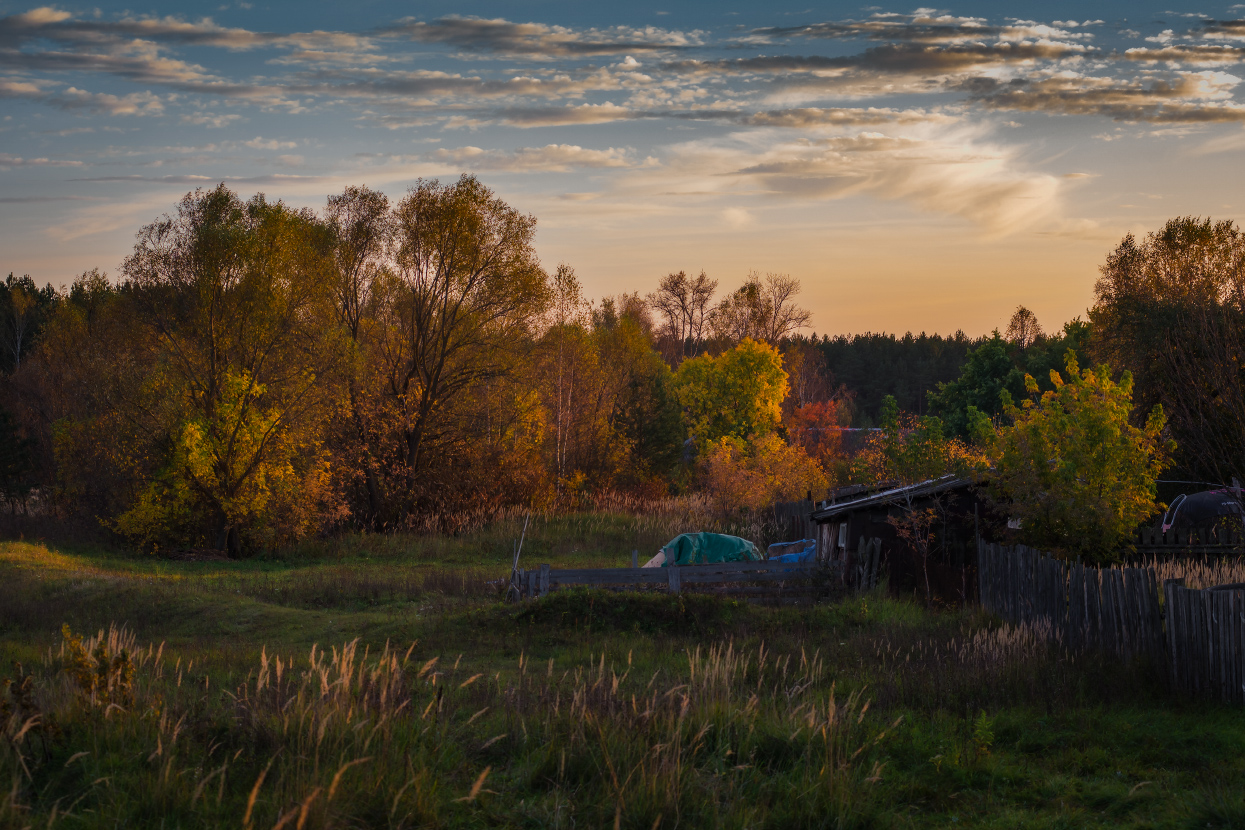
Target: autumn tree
point(1023, 330)
point(568, 314)
point(72, 390)
point(16, 461)
point(737, 394)
point(614, 418)
point(1073, 469)
point(749, 476)
point(361, 229)
point(763, 309)
point(232, 298)
point(1171, 310)
point(683, 303)
point(818, 428)
point(468, 288)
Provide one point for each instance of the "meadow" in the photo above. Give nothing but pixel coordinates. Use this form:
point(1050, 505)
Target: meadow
point(380, 681)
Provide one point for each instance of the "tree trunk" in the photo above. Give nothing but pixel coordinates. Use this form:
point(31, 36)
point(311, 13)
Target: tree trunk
point(228, 542)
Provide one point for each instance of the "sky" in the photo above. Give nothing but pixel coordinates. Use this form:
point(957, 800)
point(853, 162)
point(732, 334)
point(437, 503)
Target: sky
point(923, 169)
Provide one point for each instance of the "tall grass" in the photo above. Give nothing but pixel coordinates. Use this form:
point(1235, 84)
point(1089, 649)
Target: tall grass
point(1197, 572)
point(121, 734)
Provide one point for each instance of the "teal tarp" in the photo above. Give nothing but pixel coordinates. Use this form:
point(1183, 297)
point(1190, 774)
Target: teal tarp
point(701, 548)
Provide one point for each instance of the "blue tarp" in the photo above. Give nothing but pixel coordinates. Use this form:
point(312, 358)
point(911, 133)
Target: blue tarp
point(804, 550)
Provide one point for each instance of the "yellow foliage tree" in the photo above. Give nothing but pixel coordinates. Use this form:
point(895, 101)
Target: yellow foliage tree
point(747, 477)
point(1076, 472)
point(737, 394)
point(240, 460)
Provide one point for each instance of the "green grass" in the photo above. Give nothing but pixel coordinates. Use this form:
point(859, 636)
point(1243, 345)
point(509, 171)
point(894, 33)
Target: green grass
point(586, 708)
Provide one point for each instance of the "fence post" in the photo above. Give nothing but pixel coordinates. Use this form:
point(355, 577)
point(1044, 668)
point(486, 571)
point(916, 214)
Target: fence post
point(544, 580)
point(673, 578)
point(1171, 611)
point(635, 559)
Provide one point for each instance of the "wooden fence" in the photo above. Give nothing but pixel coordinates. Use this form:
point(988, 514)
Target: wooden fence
point(1199, 635)
point(1112, 610)
point(794, 519)
point(1210, 540)
point(756, 579)
point(1206, 639)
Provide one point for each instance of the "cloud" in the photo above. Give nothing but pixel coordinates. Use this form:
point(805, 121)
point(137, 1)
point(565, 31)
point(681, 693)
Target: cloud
point(8, 161)
point(1187, 97)
point(923, 26)
point(62, 27)
point(538, 40)
point(73, 99)
point(565, 116)
point(1230, 143)
point(200, 180)
point(211, 120)
point(552, 158)
point(1199, 55)
point(423, 87)
point(1224, 29)
point(32, 200)
point(261, 143)
point(926, 64)
point(805, 117)
point(947, 171)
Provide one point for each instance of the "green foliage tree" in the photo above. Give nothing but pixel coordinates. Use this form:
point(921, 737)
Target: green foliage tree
point(644, 413)
point(1049, 352)
point(737, 394)
point(24, 309)
point(988, 372)
point(908, 368)
point(1071, 467)
point(1171, 310)
point(16, 461)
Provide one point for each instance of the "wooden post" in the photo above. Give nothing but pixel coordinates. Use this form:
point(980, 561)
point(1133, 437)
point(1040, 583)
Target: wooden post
point(673, 579)
point(544, 580)
point(635, 559)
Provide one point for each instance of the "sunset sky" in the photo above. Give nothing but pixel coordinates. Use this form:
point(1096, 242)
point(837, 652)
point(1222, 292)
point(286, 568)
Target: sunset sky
point(923, 169)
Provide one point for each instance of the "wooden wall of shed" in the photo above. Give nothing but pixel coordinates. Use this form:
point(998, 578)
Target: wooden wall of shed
point(952, 563)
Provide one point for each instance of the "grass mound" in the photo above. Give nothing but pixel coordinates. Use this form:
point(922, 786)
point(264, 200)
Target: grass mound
point(641, 613)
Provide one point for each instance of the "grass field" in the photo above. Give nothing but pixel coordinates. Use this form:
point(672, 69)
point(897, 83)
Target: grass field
point(378, 681)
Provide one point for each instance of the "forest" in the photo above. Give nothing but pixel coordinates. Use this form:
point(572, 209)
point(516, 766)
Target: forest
point(255, 374)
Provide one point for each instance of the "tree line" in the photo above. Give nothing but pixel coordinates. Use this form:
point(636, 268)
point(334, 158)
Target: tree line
point(257, 373)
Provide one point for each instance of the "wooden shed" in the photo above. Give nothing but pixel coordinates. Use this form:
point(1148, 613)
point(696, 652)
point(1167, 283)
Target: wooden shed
point(859, 513)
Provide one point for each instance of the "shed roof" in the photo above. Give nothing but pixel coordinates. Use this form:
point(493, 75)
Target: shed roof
point(886, 497)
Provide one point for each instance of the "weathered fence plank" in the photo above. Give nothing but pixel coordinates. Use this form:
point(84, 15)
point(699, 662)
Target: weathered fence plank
point(1197, 635)
point(784, 576)
point(1113, 610)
